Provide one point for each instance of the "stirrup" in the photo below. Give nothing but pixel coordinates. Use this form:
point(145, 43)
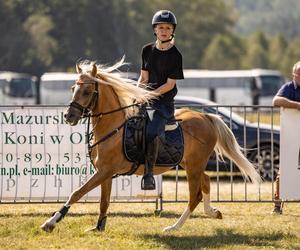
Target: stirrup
point(148, 182)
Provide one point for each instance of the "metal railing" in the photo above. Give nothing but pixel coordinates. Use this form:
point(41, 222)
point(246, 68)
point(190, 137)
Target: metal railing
point(256, 129)
point(259, 141)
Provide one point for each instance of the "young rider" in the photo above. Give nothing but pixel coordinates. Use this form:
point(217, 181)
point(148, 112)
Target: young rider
point(161, 67)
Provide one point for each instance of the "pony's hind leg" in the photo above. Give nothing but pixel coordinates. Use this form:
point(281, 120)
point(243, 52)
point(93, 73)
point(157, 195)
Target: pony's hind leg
point(208, 210)
point(93, 182)
point(194, 181)
point(104, 203)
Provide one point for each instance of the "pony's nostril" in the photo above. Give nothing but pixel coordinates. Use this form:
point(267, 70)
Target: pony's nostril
point(68, 116)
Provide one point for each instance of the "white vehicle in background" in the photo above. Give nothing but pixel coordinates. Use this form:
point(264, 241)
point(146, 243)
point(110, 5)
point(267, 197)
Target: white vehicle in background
point(17, 88)
point(232, 87)
point(55, 87)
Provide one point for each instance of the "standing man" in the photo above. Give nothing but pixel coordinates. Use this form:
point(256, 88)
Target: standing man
point(288, 96)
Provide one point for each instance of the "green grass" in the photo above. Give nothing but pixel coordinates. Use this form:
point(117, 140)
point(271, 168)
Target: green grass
point(133, 226)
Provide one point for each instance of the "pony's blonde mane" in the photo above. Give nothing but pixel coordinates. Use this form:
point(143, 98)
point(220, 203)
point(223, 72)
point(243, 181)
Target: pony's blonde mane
point(128, 91)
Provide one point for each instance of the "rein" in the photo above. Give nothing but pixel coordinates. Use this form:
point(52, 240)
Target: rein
point(110, 134)
point(87, 113)
point(104, 138)
point(90, 136)
point(112, 111)
point(99, 115)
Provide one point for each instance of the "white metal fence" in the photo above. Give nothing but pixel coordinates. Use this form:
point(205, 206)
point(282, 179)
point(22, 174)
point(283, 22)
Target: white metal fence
point(43, 159)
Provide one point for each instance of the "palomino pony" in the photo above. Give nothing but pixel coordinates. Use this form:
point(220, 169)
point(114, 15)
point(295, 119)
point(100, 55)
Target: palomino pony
point(110, 101)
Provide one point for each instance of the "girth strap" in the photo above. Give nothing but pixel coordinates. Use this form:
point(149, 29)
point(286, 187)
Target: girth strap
point(134, 167)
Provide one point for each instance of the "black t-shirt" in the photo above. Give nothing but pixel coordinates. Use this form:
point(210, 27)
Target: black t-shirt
point(161, 65)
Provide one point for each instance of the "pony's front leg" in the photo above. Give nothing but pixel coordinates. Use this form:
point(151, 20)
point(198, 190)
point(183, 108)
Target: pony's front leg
point(104, 203)
point(93, 182)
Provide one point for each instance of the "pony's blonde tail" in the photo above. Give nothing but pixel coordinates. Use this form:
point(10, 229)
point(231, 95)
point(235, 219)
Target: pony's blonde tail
point(227, 145)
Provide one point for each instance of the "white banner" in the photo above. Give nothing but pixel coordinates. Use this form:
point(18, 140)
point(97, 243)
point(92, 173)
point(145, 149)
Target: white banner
point(290, 154)
point(43, 158)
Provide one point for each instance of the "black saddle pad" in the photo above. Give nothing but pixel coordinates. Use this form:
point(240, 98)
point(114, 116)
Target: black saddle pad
point(170, 153)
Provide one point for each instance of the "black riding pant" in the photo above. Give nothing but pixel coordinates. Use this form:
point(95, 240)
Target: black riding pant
point(163, 112)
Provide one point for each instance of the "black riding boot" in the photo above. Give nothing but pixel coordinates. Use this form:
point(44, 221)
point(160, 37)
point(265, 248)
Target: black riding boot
point(148, 182)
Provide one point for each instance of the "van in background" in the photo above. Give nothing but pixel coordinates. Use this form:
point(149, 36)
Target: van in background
point(55, 87)
point(232, 87)
point(17, 88)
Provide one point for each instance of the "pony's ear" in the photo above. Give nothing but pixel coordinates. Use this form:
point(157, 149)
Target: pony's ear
point(94, 70)
point(78, 69)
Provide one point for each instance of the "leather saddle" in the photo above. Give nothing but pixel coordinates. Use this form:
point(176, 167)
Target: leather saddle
point(134, 142)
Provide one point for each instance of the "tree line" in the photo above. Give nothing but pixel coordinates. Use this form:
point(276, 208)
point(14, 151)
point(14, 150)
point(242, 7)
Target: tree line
point(52, 35)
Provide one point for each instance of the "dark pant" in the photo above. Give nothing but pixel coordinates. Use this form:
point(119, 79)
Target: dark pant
point(277, 195)
point(156, 127)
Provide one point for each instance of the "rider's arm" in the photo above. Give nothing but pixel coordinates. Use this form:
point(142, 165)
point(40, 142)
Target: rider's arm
point(170, 84)
point(280, 101)
point(144, 77)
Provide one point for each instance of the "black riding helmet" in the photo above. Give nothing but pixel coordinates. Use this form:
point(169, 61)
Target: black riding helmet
point(164, 16)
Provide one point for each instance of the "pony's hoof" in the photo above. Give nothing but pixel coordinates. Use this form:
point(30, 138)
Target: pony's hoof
point(219, 215)
point(169, 228)
point(100, 227)
point(93, 229)
point(214, 213)
point(47, 227)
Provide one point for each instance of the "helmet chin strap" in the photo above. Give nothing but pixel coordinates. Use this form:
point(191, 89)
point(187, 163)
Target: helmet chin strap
point(170, 39)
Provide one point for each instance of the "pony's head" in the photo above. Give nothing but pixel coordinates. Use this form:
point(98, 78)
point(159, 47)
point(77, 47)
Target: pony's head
point(85, 94)
point(86, 90)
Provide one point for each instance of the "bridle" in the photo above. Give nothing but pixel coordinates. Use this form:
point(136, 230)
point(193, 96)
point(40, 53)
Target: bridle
point(86, 110)
point(87, 113)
